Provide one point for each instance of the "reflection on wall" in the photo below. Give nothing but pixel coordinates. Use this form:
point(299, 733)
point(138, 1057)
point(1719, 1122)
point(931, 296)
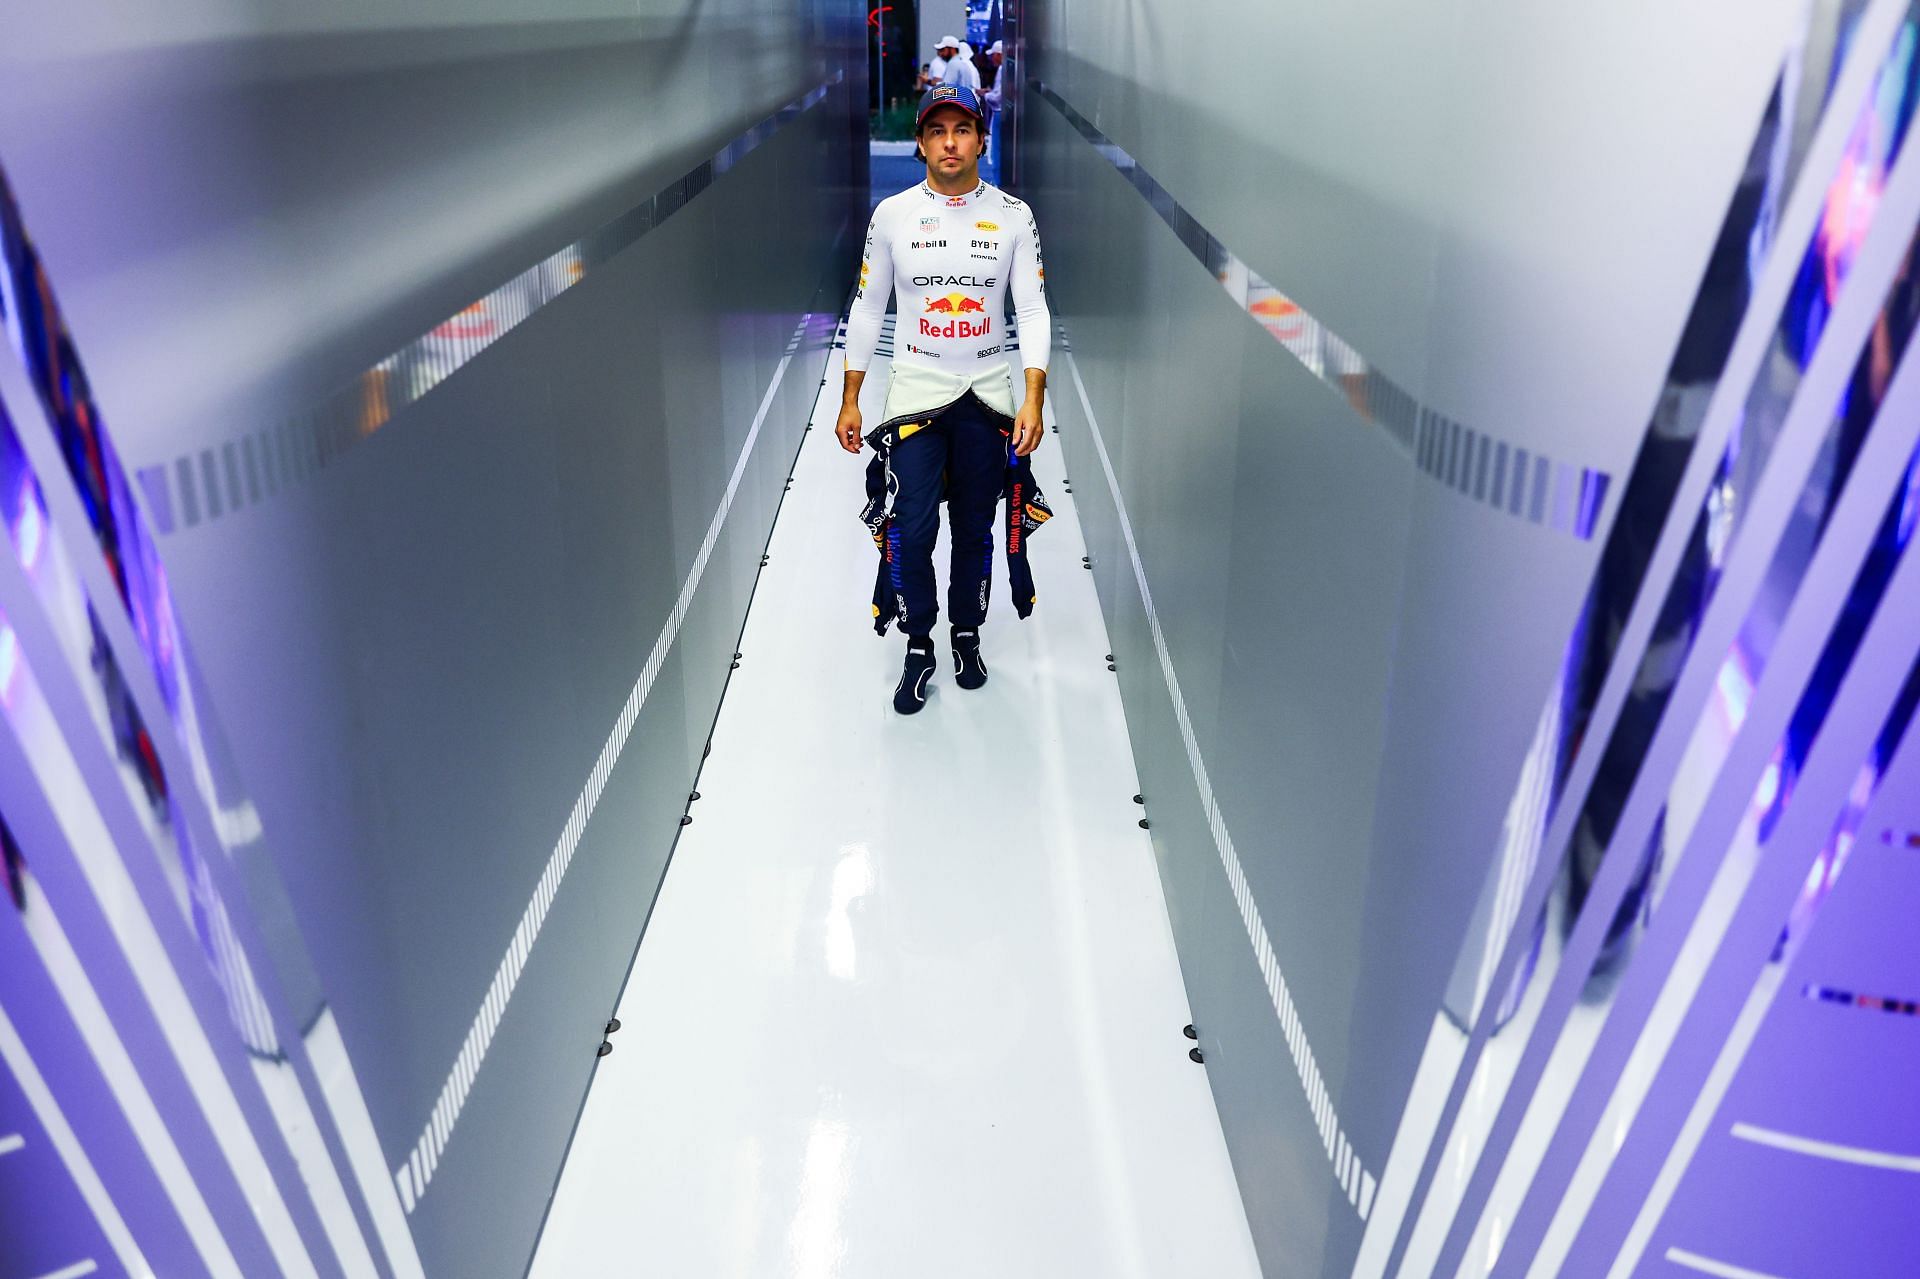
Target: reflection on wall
point(120, 533)
point(415, 378)
point(1479, 946)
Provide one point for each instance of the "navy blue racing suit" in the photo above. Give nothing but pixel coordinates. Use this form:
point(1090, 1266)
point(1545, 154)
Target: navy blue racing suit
point(962, 455)
point(964, 443)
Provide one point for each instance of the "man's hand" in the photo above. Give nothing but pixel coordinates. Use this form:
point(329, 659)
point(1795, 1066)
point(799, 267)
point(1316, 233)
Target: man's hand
point(1027, 429)
point(848, 427)
point(1027, 426)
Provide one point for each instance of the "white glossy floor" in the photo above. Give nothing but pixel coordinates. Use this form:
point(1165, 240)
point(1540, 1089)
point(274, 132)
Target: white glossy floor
point(908, 1006)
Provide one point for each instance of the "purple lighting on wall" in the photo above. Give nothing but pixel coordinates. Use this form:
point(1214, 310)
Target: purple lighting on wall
point(1736, 689)
point(30, 530)
point(9, 663)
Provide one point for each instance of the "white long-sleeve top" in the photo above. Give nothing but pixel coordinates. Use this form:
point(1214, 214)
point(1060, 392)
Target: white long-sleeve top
point(952, 261)
point(960, 70)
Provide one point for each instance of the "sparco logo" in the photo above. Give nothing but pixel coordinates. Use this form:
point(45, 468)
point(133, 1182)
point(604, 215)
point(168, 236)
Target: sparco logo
point(954, 281)
point(985, 351)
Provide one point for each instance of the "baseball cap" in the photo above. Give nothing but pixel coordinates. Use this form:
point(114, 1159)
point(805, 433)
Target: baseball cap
point(996, 47)
point(950, 95)
point(947, 42)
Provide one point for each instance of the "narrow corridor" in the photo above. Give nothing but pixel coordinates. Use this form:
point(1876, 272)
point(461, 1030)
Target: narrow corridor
point(908, 1003)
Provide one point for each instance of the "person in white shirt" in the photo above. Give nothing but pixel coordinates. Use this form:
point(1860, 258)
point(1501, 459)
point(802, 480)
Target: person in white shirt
point(956, 64)
point(953, 248)
point(993, 98)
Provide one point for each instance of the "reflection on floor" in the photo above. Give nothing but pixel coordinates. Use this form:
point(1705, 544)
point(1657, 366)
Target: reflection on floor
point(908, 1004)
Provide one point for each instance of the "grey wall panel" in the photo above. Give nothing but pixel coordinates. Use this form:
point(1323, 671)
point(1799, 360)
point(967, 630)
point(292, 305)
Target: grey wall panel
point(1461, 660)
point(1178, 471)
point(1344, 155)
point(1231, 159)
point(420, 651)
point(385, 173)
point(1319, 531)
point(1363, 648)
point(491, 1195)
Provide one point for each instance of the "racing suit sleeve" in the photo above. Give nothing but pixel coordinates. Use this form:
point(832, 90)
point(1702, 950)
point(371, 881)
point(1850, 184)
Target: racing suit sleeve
point(870, 299)
point(1028, 286)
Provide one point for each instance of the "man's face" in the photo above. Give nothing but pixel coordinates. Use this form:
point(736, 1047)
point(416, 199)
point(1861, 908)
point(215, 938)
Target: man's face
point(950, 138)
point(998, 58)
point(944, 53)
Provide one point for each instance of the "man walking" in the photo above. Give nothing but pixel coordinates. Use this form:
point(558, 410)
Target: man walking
point(952, 247)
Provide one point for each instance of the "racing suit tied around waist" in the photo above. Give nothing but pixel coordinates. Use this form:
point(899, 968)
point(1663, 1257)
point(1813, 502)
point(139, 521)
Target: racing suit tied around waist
point(903, 517)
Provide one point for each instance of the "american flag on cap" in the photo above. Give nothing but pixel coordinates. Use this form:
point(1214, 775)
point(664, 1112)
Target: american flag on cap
point(950, 95)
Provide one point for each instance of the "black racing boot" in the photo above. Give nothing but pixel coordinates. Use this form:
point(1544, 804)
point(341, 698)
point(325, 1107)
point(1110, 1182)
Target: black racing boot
point(969, 668)
point(911, 695)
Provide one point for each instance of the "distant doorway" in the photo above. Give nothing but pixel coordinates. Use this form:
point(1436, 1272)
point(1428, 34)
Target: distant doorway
point(898, 77)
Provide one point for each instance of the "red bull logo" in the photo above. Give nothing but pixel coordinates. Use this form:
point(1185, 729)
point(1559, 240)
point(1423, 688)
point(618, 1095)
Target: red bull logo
point(956, 304)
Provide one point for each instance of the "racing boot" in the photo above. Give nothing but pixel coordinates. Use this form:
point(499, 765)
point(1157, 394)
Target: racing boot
point(911, 694)
point(969, 668)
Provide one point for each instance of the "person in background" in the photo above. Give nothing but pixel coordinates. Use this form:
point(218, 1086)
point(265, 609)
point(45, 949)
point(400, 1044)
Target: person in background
point(970, 62)
point(996, 58)
point(922, 80)
point(951, 68)
point(990, 64)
